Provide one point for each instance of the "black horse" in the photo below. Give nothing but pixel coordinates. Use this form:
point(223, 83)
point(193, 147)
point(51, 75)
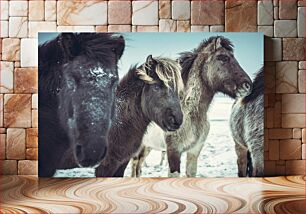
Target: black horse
point(78, 76)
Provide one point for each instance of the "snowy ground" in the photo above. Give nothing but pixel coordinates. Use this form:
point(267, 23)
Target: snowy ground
point(217, 159)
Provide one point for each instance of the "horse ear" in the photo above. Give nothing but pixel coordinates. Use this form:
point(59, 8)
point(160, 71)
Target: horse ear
point(69, 45)
point(218, 43)
point(120, 47)
point(150, 60)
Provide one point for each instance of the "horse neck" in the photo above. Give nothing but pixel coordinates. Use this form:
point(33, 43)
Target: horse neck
point(129, 104)
point(199, 92)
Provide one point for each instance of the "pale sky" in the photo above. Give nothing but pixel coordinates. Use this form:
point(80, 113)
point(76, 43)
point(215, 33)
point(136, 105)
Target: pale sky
point(248, 47)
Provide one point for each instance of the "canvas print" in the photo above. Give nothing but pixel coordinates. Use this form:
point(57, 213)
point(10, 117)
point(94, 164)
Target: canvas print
point(151, 105)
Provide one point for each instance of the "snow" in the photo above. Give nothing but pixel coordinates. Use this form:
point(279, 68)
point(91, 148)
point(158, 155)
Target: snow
point(217, 158)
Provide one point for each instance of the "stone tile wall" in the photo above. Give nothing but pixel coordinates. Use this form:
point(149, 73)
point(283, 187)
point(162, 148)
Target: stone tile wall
point(282, 21)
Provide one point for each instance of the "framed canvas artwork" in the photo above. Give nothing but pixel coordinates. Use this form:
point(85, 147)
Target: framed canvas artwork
point(151, 105)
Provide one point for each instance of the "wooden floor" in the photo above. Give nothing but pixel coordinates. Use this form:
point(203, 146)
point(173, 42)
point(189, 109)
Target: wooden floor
point(131, 195)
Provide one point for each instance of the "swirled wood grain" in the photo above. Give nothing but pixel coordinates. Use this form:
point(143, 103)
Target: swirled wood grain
point(139, 195)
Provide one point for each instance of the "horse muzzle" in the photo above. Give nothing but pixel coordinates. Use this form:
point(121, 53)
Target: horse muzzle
point(173, 120)
point(90, 155)
point(244, 90)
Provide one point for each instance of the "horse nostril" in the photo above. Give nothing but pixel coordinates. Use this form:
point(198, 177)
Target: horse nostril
point(171, 119)
point(246, 86)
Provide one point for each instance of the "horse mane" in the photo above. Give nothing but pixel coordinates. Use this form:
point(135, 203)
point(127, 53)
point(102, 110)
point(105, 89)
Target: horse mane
point(129, 82)
point(225, 43)
point(258, 87)
point(66, 46)
point(187, 58)
point(167, 70)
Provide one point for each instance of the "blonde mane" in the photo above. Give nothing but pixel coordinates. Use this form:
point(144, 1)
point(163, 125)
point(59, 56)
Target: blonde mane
point(167, 70)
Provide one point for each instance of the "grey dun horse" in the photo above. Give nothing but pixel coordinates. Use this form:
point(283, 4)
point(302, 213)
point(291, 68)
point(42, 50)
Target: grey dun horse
point(206, 70)
point(247, 126)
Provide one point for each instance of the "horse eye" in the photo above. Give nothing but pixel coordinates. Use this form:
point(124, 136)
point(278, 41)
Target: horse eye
point(156, 86)
point(223, 58)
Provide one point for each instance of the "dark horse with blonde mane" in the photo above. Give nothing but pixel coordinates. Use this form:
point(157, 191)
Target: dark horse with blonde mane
point(149, 92)
point(78, 76)
point(247, 126)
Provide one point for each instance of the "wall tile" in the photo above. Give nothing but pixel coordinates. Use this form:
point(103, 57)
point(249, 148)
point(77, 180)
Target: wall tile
point(27, 167)
point(302, 65)
point(280, 133)
point(293, 103)
point(180, 10)
point(267, 30)
point(17, 110)
point(15, 144)
point(37, 26)
point(290, 149)
point(167, 25)
point(75, 28)
point(285, 28)
point(199, 28)
point(207, 12)
point(32, 138)
point(301, 21)
point(18, 8)
point(35, 118)
point(183, 26)
point(32, 154)
point(293, 49)
point(50, 10)
point(26, 80)
point(287, 9)
point(8, 167)
point(18, 27)
point(29, 53)
point(265, 12)
point(147, 28)
point(11, 49)
point(1, 111)
point(216, 28)
point(295, 167)
point(2, 146)
point(119, 28)
point(301, 80)
point(92, 12)
point(240, 15)
point(36, 10)
point(165, 9)
point(4, 29)
point(4, 9)
point(119, 12)
point(34, 101)
point(101, 28)
point(145, 13)
point(297, 133)
point(7, 77)
point(293, 120)
point(286, 77)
